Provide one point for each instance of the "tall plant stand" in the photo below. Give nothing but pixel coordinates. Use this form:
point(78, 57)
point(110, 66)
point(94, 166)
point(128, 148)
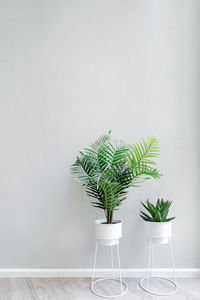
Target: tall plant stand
point(122, 285)
point(146, 279)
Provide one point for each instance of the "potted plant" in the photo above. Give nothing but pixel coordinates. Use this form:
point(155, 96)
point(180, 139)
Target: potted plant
point(107, 169)
point(158, 225)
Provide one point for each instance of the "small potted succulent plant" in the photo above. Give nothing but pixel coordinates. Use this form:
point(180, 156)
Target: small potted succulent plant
point(158, 225)
point(107, 169)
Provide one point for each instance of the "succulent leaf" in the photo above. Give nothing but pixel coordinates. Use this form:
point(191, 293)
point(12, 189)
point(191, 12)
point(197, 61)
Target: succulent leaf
point(158, 213)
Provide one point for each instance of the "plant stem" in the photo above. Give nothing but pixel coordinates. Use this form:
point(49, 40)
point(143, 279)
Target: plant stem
point(111, 217)
point(107, 217)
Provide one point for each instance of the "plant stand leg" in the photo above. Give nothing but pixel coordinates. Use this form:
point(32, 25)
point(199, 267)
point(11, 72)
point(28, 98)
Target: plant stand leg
point(173, 264)
point(120, 273)
point(111, 252)
point(150, 263)
point(95, 259)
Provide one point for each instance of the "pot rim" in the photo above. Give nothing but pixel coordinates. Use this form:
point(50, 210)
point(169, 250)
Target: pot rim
point(102, 222)
point(166, 222)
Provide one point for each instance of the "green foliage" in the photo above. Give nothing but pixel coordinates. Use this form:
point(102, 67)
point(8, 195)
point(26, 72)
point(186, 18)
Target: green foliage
point(108, 168)
point(157, 213)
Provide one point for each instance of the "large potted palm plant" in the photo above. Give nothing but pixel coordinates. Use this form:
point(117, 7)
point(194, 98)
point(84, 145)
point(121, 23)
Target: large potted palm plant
point(107, 169)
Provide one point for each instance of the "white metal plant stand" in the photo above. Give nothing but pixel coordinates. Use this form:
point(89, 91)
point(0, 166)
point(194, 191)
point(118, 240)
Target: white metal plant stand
point(150, 272)
point(123, 286)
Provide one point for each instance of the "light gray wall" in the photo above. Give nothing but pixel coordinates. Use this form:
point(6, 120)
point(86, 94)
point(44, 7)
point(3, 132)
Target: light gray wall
point(69, 72)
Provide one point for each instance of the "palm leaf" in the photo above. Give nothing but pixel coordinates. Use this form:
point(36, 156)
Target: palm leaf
point(141, 152)
point(100, 142)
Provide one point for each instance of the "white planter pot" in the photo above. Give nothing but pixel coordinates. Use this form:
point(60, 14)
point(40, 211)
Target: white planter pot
point(108, 234)
point(158, 232)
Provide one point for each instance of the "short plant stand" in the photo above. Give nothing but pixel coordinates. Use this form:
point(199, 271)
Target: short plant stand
point(122, 286)
point(145, 282)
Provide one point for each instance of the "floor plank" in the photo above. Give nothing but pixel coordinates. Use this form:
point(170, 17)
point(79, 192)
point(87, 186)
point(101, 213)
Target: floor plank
point(17, 289)
point(79, 289)
point(49, 288)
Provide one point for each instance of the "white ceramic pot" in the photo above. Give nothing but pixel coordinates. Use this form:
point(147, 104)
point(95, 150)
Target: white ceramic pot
point(108, 234)
point(158, 232)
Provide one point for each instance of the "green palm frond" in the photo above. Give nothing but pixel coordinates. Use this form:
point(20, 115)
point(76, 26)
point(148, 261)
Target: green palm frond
point(119, 154)
point(111, 154)
point(112, 195)
point(108, 168)
point(142, 173)
point(118, 173)
point(95, 147)
point(141, 152)
point(86, 167)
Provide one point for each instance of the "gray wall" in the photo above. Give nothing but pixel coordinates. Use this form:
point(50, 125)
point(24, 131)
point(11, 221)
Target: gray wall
point(70, 71)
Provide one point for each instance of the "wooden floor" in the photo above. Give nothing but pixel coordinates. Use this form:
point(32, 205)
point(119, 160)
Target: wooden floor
point(79, 289)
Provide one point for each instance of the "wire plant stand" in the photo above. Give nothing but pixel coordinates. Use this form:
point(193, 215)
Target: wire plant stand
point(123, 286)
point(147, 279)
